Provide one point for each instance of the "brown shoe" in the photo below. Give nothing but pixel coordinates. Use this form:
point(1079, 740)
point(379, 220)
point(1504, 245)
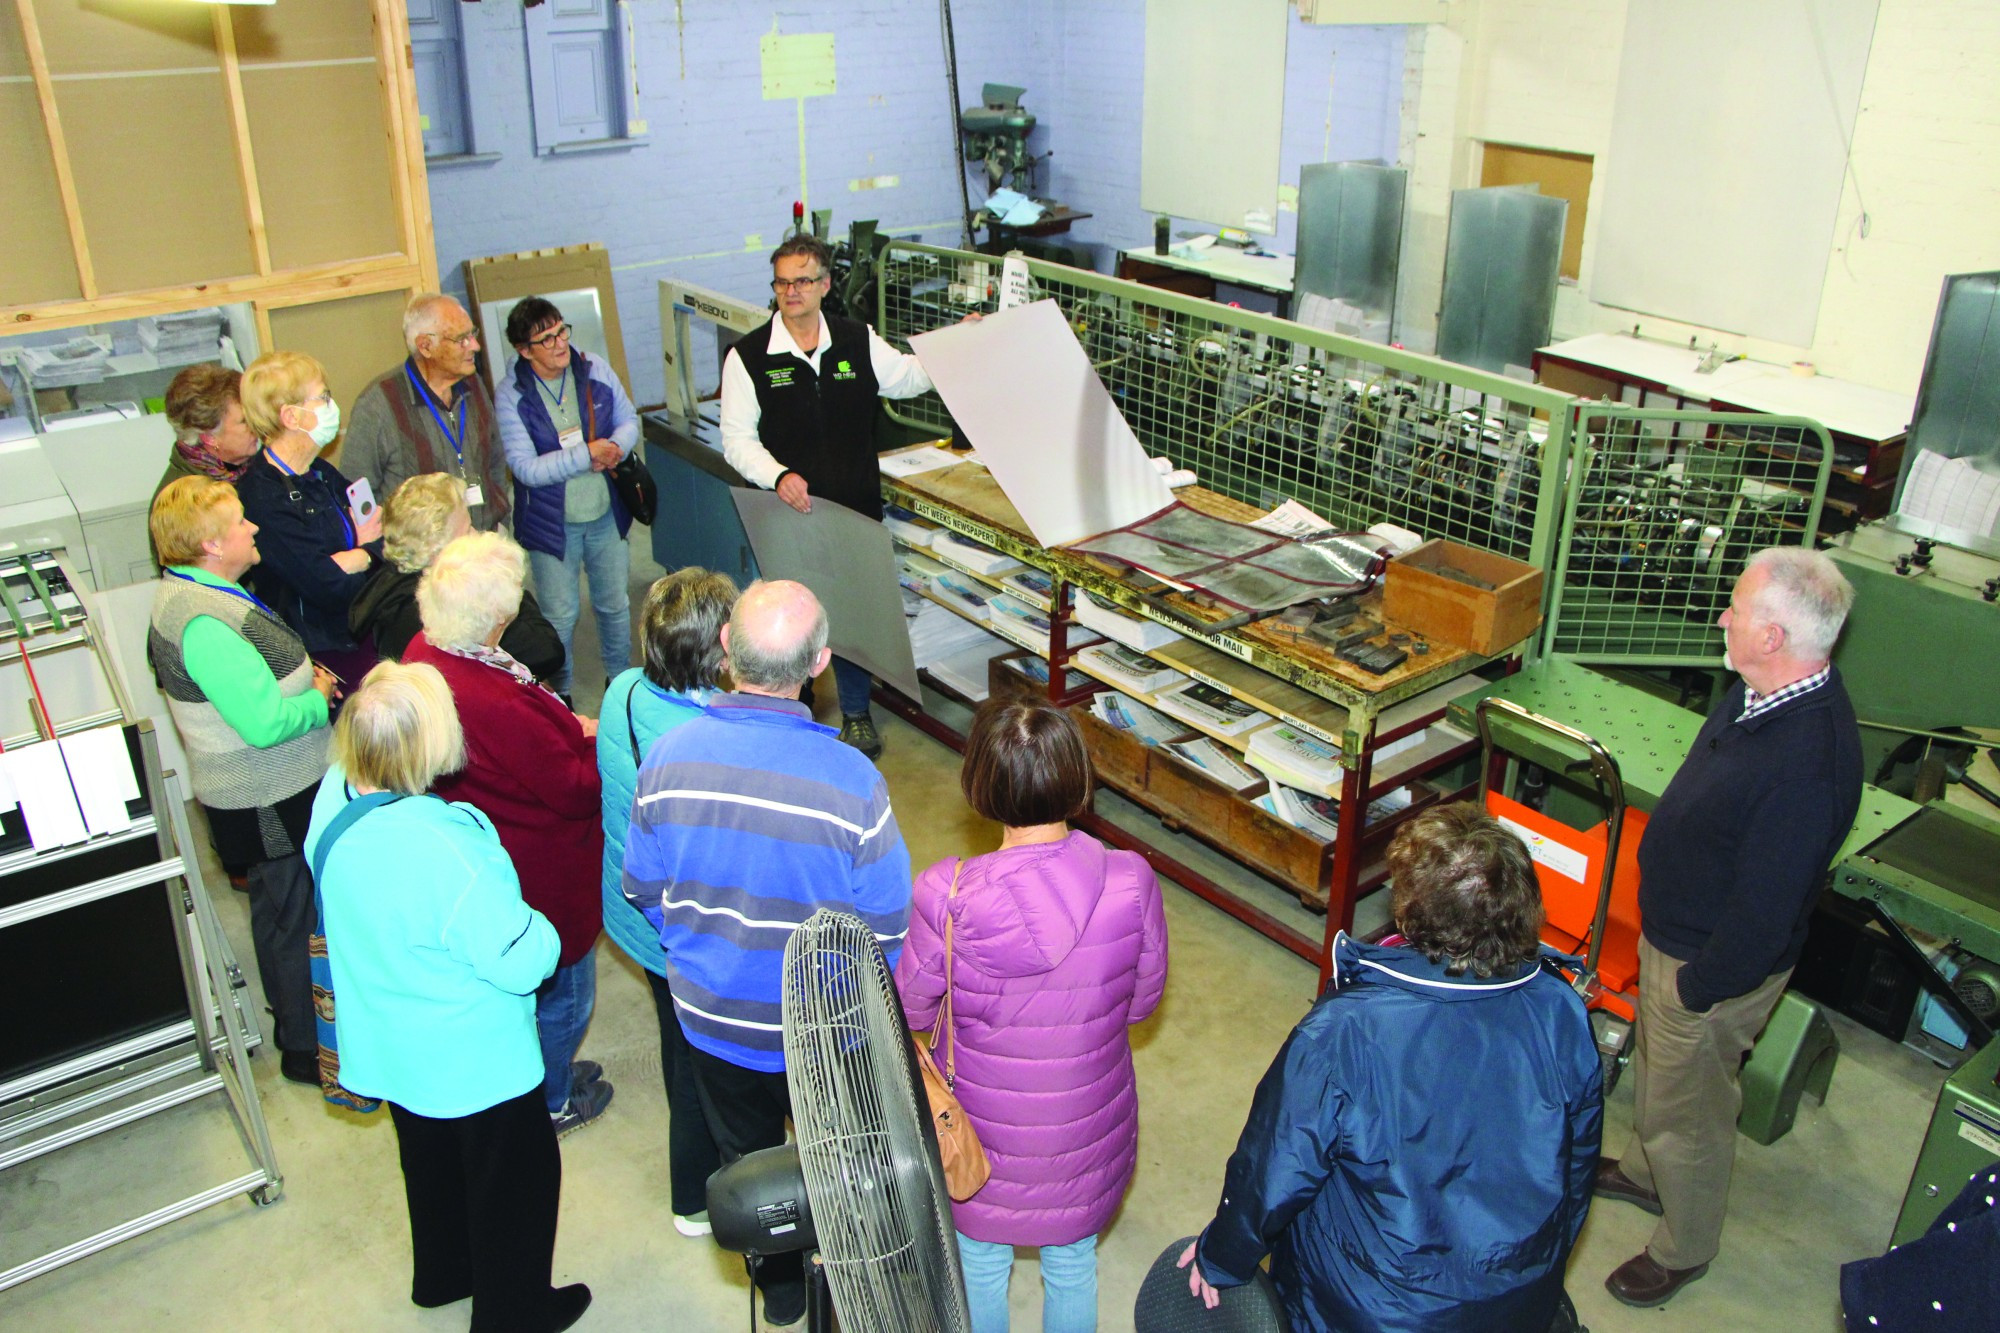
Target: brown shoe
point(1642, 1282)
point(1613, 1183)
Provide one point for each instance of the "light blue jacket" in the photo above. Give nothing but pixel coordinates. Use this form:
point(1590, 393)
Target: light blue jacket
point(435, 958)
point(635, 713)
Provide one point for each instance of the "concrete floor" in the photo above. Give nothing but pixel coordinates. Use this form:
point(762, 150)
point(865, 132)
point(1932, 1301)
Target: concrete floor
point(335, 1248)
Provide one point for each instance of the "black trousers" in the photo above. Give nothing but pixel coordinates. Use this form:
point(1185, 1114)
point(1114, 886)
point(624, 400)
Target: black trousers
point(747, 1110)
point(692, 1156)
point(482, 1191)
point(281, 923)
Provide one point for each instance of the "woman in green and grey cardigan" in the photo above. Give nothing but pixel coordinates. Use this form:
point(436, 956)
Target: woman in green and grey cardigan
point(251, 708)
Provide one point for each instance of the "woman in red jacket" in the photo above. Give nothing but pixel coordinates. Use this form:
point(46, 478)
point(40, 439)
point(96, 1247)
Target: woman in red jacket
point(531, 768)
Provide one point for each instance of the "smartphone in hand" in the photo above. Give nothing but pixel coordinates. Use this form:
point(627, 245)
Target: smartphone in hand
point(361, 496)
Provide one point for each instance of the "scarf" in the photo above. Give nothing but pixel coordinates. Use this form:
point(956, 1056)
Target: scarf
point(199, 457)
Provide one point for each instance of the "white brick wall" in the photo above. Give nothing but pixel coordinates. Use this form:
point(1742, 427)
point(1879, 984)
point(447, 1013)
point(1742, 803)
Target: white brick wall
point(1926, 157)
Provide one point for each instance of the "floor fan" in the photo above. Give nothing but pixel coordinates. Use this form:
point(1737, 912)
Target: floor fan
point(862, 1184)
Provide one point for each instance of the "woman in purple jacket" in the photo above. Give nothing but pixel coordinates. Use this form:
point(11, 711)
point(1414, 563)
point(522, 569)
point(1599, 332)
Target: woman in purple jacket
point(1058, 945)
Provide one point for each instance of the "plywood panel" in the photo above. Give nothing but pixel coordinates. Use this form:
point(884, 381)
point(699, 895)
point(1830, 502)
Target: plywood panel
point(156, 177)
point(323, 162)
point(103, 36)
point(505, 279)
point(38, 265)
point(1561, 175)
point(356, 338)
point(321, 30)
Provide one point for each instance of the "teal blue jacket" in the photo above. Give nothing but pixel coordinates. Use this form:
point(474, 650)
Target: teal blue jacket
point(435, 958)
point(635, 713)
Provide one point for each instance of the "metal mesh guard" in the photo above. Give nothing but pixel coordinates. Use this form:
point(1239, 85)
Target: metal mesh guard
point(877, 1191)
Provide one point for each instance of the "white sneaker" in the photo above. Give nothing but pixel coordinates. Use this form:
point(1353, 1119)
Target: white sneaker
point(696, 1225)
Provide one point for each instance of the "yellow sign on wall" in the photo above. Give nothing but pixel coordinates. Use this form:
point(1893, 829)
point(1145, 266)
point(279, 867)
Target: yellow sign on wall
point(797, 65)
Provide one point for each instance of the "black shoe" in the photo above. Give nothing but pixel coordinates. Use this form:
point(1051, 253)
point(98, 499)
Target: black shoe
point(784, 1304)
point(1644, 1282)
point(566, 1306)
point(1613, 1183)
point(300, 1067)
point(858, 730)
point(584, 1071)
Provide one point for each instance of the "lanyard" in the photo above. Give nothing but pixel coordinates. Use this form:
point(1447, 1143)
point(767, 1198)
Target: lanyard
point(562, 386)
point(231, 590)
point(430, 403)
point(346, 524)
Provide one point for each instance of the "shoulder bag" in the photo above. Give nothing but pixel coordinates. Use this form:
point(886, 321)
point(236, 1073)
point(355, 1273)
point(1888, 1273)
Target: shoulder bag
point(322, 966)
point(634, 484)
point(966, 1169)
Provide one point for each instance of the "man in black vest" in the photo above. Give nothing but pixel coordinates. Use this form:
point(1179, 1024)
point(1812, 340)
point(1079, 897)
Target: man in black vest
point(798, 417)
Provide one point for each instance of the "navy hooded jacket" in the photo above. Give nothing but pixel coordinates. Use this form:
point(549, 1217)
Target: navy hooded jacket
point(1420, 1154)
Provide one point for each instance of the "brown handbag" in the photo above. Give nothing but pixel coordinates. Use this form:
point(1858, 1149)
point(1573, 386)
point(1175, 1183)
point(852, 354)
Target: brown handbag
point(965, 1166)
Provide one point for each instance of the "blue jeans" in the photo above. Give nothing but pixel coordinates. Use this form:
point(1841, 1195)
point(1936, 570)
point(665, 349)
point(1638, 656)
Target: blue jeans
point(1069, 1285)
point(851, 683)
point(563, 1007)
point(595, 551)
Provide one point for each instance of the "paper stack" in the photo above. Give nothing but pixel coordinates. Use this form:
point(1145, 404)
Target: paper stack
point(1031, 586)
point(1143, 635)
point(972, 555)
point(965, 670)
point(962, 594)
point(1217, 761)
point(83, 359)
point(1320, 815)
point(1036, 669)
point(936, 633)
point(906, 527)
point(1210, 709)
point(1019, 621)
point(184, 338)
point(1288, 755)
point(1129, 715)
point(917, 572)
point(1129, 668)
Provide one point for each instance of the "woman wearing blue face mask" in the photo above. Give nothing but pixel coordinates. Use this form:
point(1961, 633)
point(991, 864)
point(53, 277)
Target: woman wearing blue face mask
point(316, 550)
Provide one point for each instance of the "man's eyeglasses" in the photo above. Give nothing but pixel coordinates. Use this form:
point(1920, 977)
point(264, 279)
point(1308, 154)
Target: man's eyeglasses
point(547, 342)
point(783, 285)
point(465, 339)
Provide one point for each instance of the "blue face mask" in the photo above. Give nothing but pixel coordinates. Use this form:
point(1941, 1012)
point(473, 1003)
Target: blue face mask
point(328, 426)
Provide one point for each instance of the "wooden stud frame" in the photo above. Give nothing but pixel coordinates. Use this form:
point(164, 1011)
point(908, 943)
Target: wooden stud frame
point(413, 270)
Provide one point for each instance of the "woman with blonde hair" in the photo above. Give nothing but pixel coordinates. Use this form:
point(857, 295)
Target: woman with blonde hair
point(436, 959)
point(316, 549)
point(251, 709)
point(426, 512)
point(531, 766)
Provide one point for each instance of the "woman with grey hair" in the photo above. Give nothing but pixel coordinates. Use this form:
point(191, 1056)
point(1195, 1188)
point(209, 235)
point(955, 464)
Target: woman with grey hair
point(435, 958)
point(532, 768)
point(681, 628)
point(425, 513)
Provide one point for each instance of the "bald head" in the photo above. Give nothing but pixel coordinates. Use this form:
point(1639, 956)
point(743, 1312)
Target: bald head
point(776, 638)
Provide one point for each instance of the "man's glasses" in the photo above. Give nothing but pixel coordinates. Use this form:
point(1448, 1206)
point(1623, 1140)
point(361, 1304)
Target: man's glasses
point(465, 339)
point(547, 342)
point(783, 285)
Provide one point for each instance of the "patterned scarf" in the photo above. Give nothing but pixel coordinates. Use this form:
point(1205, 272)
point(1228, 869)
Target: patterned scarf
point(496, 657)
point(203, 460)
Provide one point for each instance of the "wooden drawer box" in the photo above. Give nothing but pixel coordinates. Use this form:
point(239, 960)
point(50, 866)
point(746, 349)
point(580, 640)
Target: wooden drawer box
point(1121, 761)
point(1418, 598)
point(1003, 682)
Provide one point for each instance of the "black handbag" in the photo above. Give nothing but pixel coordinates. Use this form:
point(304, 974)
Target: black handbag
point(631, 479)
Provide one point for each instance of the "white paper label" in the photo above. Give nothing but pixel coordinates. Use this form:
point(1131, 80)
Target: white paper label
point(1565, 861)
point(1972, 1133)
point(475, 496)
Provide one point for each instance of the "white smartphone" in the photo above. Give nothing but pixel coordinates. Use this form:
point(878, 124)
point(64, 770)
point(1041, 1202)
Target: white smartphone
point(362, 497)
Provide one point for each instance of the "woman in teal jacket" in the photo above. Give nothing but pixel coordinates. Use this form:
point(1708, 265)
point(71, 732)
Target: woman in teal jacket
point(681, 626)
point(436, 960)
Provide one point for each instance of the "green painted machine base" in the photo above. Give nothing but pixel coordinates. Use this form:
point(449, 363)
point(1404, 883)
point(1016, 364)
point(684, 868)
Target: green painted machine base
point(1964, 1138)
point(1794, 1055)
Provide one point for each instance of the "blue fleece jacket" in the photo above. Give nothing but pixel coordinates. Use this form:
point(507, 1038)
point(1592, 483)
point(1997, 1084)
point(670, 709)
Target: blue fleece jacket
point(635, 713)
point(747, 821)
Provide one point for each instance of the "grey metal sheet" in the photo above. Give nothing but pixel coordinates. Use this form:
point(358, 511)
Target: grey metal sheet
point(1502, 258)
point(1958, 402)
point(1351, 234)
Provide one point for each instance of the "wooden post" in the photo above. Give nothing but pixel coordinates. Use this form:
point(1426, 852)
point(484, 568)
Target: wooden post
point(395, 68)
point(246, 157)
point(45, 92)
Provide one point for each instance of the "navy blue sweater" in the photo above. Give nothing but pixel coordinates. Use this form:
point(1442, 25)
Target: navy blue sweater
point(1734, 856)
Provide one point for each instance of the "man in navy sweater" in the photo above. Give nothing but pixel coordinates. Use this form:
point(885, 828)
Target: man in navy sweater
point(1730, 869)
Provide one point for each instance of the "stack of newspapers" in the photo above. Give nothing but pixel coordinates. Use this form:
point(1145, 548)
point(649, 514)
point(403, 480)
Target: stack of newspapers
point(1030, 585)
point(971, 554)
point(1285, 754)
point(1210, 709)
point(1218, 761)
point(1018, 621)
point(916, 571)
point(907, 527)
point(965, 670)
point(1320, 815)
point(1142, 635)
point(936, 634)
point(961, 593)
point(1036, 669)
point(1129, 715)
point(1129, 667)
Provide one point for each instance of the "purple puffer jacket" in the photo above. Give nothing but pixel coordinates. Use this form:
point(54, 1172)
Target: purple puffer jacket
point(1058, 947)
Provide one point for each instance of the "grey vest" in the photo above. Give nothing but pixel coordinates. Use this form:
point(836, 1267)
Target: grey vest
point(226, 772)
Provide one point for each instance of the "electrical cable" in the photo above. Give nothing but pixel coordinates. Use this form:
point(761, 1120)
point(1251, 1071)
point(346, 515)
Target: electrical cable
point(951, 123)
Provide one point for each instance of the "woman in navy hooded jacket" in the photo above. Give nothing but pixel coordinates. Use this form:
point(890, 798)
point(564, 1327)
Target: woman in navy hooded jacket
point(565, 422)
point(1421, 1152)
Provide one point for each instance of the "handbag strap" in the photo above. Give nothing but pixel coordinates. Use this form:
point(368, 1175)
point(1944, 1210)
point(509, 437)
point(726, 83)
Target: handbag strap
point(631, 727)
point(945, 1012)
point(345, 820)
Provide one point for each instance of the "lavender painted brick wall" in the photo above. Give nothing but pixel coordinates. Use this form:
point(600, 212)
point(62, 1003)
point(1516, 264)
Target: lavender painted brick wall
point(721, 164)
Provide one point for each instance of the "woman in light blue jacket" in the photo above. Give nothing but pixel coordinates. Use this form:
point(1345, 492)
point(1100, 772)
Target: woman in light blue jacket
point(436, 959)
point(681, 628)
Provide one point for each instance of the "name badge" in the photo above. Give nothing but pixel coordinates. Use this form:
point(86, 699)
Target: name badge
point(570, 438)
point(475, 496)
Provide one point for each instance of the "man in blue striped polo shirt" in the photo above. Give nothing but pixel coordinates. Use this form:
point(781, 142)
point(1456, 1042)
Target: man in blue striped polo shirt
point(748, 820)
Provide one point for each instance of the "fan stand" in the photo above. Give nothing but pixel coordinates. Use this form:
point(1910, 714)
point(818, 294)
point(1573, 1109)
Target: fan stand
point(819, 1297)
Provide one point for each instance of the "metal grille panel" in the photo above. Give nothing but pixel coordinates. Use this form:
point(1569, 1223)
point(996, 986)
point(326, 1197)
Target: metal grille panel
point(1264, 410)
point(1663, 510)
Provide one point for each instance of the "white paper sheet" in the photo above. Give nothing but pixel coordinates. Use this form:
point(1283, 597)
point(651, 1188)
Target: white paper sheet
point(850, 564)
point(100, 768)
point(1952, 493)
point(925, 458)
point(1022, 390)
point(41, 783)
point(1292, 519)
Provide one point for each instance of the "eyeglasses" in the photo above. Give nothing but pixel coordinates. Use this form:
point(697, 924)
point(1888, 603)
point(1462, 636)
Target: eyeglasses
point(465, 339)
point(783, 285)
point(548, 340)
point(320, 400)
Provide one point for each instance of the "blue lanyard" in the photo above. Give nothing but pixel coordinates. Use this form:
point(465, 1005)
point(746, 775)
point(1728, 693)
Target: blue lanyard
point(346, 524)
point(231, 590)
point(430, 403)
point(562, 386)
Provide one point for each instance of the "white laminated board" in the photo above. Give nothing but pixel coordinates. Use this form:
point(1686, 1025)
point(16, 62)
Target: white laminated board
point(848, 561)
point(1022, 390)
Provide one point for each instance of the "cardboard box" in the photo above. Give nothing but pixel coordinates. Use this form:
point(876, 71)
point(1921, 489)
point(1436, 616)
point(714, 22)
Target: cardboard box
point(1485, 620)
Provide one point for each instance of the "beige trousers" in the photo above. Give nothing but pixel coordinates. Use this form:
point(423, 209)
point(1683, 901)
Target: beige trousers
point(1685, 1072)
